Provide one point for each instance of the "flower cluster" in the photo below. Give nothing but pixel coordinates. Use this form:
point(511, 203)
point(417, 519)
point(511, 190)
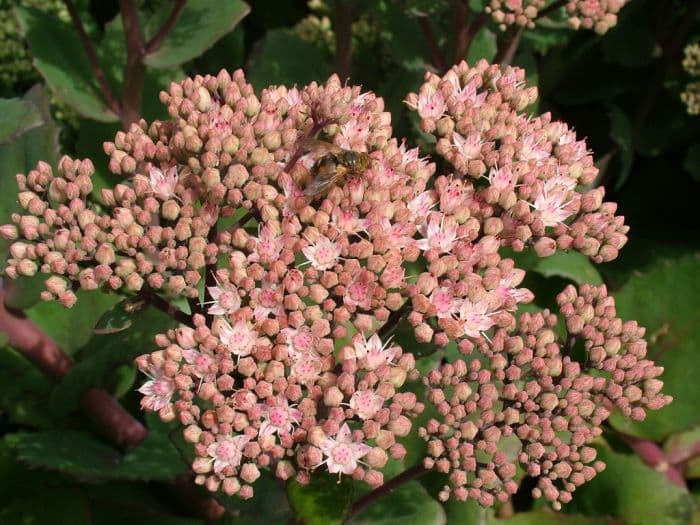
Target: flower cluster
point(295, 284)
point(521, 399)
point(514, 12)
point(599, 15)
point(691, 94)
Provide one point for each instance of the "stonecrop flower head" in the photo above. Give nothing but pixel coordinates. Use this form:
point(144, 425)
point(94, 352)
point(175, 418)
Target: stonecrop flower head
point(599, 15)
point(287, 361)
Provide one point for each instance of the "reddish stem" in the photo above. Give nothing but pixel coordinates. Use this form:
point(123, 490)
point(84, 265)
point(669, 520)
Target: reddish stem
point(460, 13)
point(135, 71)
point(653, 456)
point(435, 54)
point(27, 338)
point(154, 43)
point(388, 487)
point(342, 26)
point(92, 58)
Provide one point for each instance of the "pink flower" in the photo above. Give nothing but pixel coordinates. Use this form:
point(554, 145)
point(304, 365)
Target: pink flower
point(225, 299)
point(452, 197)
point(374, 353)
point(437, 235)
point(475, 317)
point(279, 418)
point(430, 103)
point(200, 362)
point(163, 185)
point(411, 155)
point(444, 302)
point(366, 403)
point(227, 451)
point(266, 300)
point(158, 391)
point(469, 146)
point(322, 254)
point(503, 179)
point(239, 338)
point(300, 342)
point(361, 290)
point(552, 206)
point(420, 205)
point(268, 246)
point(532, 150)
point(342, 453)
point(354, 134)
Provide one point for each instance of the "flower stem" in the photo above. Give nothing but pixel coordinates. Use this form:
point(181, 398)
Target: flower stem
point(388, 487)
point(653, 456)
point(157, 301)
point(154, 43)
point(92, 58)
point(342, 26)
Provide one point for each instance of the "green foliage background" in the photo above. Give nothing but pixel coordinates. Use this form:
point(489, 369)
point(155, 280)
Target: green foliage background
point(620, 90)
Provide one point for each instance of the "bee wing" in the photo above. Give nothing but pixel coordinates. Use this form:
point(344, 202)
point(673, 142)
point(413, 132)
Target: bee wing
point(325, 178)
point(318, 147)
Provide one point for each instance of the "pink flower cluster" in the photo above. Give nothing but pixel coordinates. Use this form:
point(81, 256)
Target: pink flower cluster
point(520, 399)
point(599, 15)
point(285, 361)
point(514, 12)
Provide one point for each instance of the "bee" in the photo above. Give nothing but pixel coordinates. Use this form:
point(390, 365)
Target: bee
point(333, 168)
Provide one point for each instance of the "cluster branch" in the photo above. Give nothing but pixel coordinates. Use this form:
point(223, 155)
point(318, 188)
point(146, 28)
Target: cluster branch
point(154, 43)
point(109, 97)
point(508, 47)
point(161, 304)
point(551, 8)
point(654, 456)
point(342, 26)
point(135, 70)
point(436, 58)
point(387, 488)
point(42, 351)
point(460, 13)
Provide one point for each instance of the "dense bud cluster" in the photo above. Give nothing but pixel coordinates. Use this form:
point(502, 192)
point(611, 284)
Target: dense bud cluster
point(287, 363)
point(599, 15)
point(521, 399)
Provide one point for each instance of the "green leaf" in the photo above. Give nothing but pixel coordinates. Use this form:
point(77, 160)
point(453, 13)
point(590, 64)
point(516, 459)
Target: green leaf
point(56, 505)
point(400, 34)
point(634, 493)
point(199, 26)
point(61, 60)
point(23, 153)
point(80, 454)
point(410, 503)
point(123, 333)
point(284, 58)
point(569, 265)
point(269, 504)
point(24, 390)
point(18, 116)
point(691, 163)
point(72, 327)
point(484, 46)
point(666, 301)
point(621, 133)
point(324, 501)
